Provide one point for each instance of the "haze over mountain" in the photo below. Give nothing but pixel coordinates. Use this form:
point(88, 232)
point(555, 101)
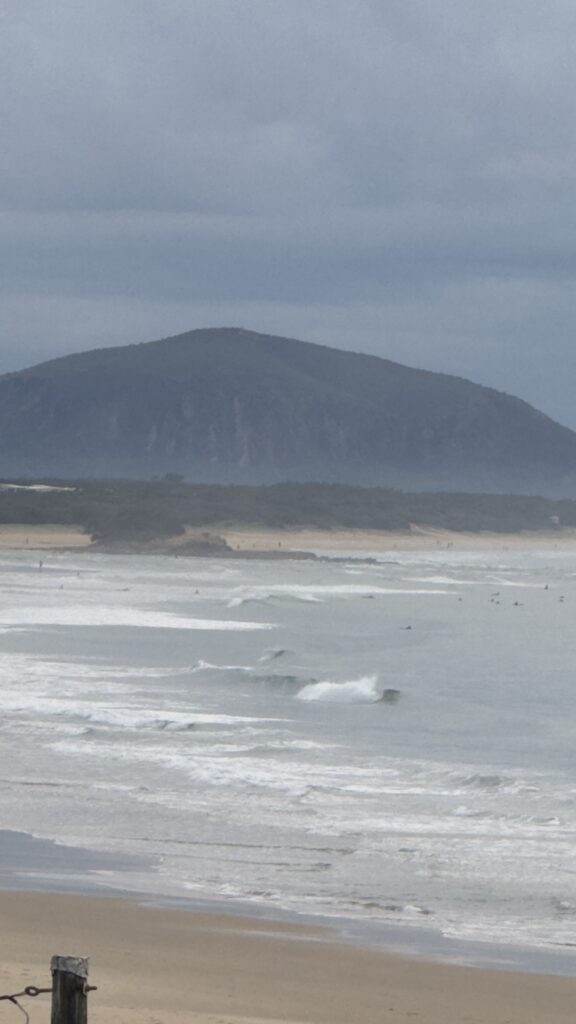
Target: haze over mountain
point(230, 405)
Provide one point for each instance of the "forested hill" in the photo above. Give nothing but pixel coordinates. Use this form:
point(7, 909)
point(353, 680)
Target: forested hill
point(233, 406)
point(132, 513)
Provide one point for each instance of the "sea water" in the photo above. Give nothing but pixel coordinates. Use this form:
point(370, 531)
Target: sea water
point(389, 742)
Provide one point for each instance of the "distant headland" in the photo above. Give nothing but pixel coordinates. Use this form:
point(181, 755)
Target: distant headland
point(231, 406)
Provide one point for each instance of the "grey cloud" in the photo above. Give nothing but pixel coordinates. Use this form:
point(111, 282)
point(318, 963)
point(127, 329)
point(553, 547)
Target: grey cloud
point(395, 177)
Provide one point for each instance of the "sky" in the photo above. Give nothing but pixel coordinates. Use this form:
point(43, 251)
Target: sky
point(388, 176)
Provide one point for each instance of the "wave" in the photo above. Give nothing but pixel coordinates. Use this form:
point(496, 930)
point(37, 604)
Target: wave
point(116, 616)
point(239, 602)
point(446, 581)
point(364, 690)
point(135, 719)
point(488, 781)
point(209, 666)
point(273, 654)
point(272, 597)
point(282, 683)
point(316, 593)
point(139, 720)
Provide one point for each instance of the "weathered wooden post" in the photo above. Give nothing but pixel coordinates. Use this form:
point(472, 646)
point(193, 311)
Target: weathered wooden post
point(69, 989)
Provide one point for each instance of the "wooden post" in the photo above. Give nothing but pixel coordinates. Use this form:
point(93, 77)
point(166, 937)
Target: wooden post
point(69, 988)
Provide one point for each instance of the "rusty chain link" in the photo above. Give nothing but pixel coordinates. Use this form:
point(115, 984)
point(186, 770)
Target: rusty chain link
point(30, 990)
point(33, 990)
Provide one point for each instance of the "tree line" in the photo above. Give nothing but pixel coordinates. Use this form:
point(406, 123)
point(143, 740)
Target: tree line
point(123, 511)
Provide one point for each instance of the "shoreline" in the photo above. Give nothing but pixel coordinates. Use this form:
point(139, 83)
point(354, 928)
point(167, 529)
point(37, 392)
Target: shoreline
point(159, 961)
point(46, 867)
point(357, 542)
point(154, 964)
point(229, 541)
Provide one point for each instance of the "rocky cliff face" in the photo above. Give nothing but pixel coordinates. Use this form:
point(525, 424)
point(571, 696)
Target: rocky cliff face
point(235, 406)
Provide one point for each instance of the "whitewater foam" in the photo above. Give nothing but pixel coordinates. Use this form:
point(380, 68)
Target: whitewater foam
point(208, 666)
point(453, 809)
point(364, 690)
point(101, 615)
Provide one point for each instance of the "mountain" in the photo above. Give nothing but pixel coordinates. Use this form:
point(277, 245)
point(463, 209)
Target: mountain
point(229, 405)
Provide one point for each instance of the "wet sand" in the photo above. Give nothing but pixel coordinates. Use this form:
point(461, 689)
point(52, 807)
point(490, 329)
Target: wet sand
point(158, 966)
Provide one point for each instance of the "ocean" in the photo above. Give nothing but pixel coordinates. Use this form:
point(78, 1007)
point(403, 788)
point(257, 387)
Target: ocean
point(388, 744)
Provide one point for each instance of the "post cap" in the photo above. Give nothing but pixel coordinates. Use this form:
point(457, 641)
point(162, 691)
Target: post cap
point(77, 965)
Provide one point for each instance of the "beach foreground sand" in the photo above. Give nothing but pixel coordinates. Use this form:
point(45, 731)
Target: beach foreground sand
point(158, 966)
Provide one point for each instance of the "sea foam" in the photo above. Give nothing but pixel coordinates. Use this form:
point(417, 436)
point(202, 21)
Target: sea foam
point(364, 690)
point(100, 615)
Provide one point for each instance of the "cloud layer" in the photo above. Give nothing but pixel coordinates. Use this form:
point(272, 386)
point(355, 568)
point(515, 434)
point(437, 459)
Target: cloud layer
point(395, 178)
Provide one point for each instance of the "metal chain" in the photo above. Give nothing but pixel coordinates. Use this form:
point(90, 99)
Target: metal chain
point(30, 990)
point(33, 990)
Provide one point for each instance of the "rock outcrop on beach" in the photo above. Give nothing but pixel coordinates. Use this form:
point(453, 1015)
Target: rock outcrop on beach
point(233, 406)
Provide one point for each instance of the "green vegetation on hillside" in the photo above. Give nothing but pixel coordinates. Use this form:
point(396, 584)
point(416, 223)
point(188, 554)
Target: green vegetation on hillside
point(123, 512)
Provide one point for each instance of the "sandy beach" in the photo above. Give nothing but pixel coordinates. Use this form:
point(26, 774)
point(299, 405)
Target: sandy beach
point(48, 537)
point(157, 966)
point(169, 966)
point(418, 539)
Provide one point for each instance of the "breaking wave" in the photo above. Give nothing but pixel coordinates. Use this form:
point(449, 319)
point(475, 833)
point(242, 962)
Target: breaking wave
point(209, 666)
point(364, 690)
point(96, 615)
point(273, 597)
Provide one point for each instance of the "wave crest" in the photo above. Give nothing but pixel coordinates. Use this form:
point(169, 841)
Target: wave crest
point(364, 690)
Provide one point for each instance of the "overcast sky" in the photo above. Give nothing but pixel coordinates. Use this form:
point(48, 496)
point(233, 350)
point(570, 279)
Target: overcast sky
point(391, 176)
